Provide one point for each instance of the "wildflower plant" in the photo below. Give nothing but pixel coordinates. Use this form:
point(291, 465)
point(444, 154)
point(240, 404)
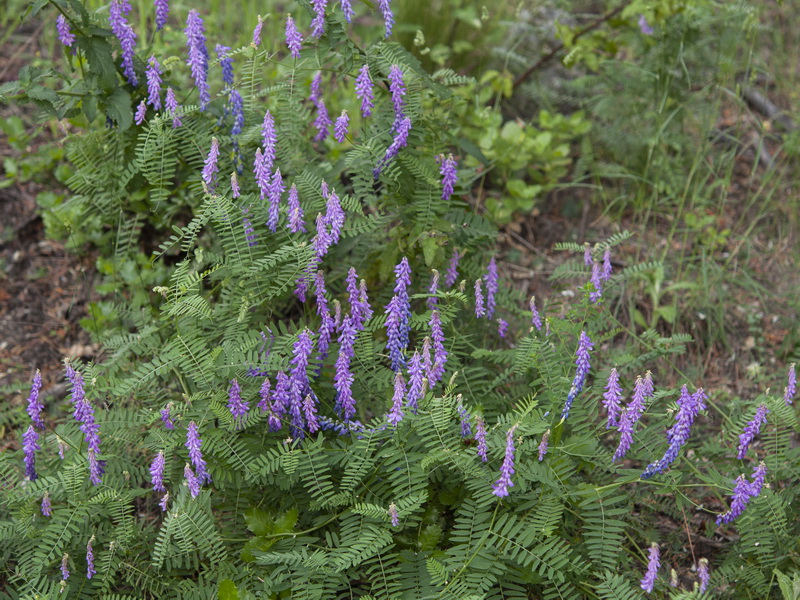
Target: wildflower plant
point(269, 424)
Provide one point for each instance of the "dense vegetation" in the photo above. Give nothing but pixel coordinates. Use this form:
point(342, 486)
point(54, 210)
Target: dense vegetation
point(317, 378)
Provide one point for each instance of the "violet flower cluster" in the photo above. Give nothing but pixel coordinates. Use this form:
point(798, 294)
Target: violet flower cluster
point(47, 507)
point(90, 570)
point(791, 385)
point(432, 300)
point(451, 274)
point(397, 88)
point(198, 55)
point(225, 62)
point(751, 430)
point(29, 448)
point(318, 22)
point(364, 90)
point(502, 327)
point(480, 308)
point(140, 114)
point(395, 414)
point(388, 15)
point(84, 414)
point(236, 404)
point(689, 406)
point(399, 142)
point(543, 445)
point(743, 492)
point(166, 417)
point(653, 563)
point(416, 382)
point(612, 399)
point(500, 487)
point(480, 438)
point(294, 41)
point(437, 369)
point(274, 192)
point(343, 378)
point(193, 443)
point(157, 468)
point(492, 285)
point(703, 575)
point(393, 516)
point(210, 169)
point(298, 377)
point(464, 417)
point(65, 36)
point(631, 415)
point(117, 19)
point(448, 170)
point(340, 127)
point(162, 11)
point(34, 405)
point(172, 106)
point(582, 361)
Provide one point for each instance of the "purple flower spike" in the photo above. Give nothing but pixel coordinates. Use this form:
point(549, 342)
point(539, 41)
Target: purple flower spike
point(791, 385)
point(364, 90)
point(210, 169)
point(318, 22)
point(543, 445)
point(502, 327)
point(198, 55)
point(347, 10)
point(235, 191)
point(427, 361)
point(653, 563)
point(265, 395)
point(171, 104)
point(464, 416)
point(157, 472)
point(326, 327)
point(257, 32)
point(416, 382)
point(626, 424)
point(193, 443)
point(226, 62)
point(126, 36)
point(398, 89)
point(388, 15)
point(46, 505)
point(396, 323)
point(605, 274)
point(90, 570)
point(65, 36)
point(393, 516)
point(96, 468)
point(269, 139)
point(162, 11)
point(294, 41)
point(395, 415)
point(480, 437)
point(236, 405)
point(64, 567)
point(83, 411)
point(688, 409)
point(751, 430)
point(402, 274)
point(702, 574)
point(281, 396)
point(644, 26)
point(439, 353)
point(432, 300)
point(743, 492)
point(449, 174)
point(34, 405)
point(597, 293)
point(192, 481)
point(310, 411)
point(343, 379)
point(334, 216)
point(29, 448)
point(364, 310)
point(261, 173)
point(500, 487)
point(492, 287)
point(274, 193)
point(163, 502)
point(316, 95)
point(480, 309)
point(612, 399)
point(298, 378)
point(399, 142)
point(451, 274)
point(536, 320)
point(296, 215)
point(340, 127)
point(587, 254)
point(166, 418)
point(153, 74)
point(322, 122)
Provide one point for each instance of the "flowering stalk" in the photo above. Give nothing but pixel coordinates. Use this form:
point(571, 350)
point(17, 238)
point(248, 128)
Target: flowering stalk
point(192, 481)
point(34, 405)
point(364, 90)
point(582, 356)
point(480, 437)
point(318, 23)
point(29, 448)
point(703, 574)
point(432, 300)
point(416, 382)
point(395, 414)
point(500, 487)
point(437, 369)
point(751, 430)
point(172, 106)
point(612, 399)
point(396, 324)
point(388, 15)
point(65, 36)
point(299, 374)
point(274, 193)
point(543, 445)
point(162, 11)
point(400, 141)
point(653, 563)
point(269, 138)
point(630, 416)
point(64, 567)
point(296, 223)
point(451, 274)
point(310, 412)
point(198, 55)
point(597, 293)
point(791, 385)
point(141, 113)
point(334, 216)
point(90, 570)
point(264, 393)
point(587, 254)
point(127, 38)
point(492, 287)
point(393, 515)
point(605, 274)
point(502, 327)
point(743, 492)
point(322, 122)
point(257, 32)
point(46, 505)
point(153, 75)
point(343, 378)
point(281, 400)
point(398, 90)
point(166, 418)
point(294, 41)
point(347, 10)
point(163, 502)
point(340, 127)
point(193, 443)
point(157, 472)
point(236, 405)
point(210, 169)
point(480, 309)
point(688, 409)
point(449, 174)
